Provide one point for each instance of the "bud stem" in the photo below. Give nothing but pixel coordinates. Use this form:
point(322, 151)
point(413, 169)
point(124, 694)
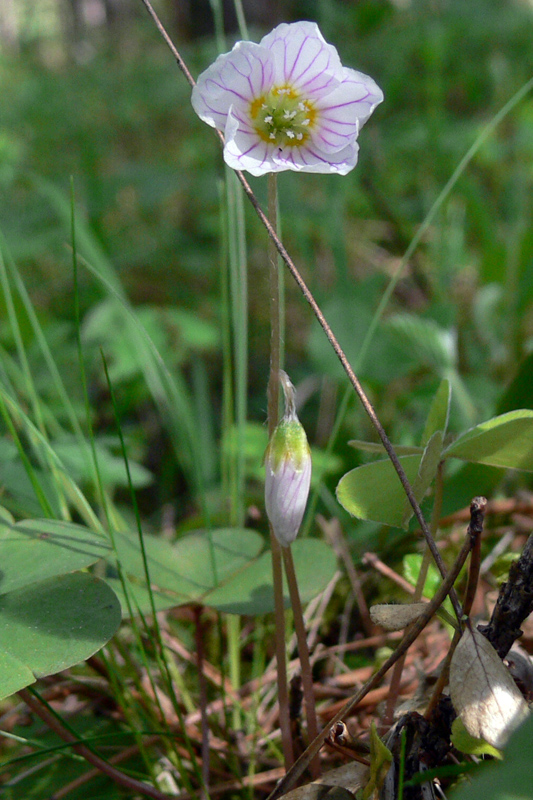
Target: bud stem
point(276, 376)
point(273, 416)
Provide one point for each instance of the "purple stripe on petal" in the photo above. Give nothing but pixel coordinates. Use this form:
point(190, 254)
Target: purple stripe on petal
point(289, 74)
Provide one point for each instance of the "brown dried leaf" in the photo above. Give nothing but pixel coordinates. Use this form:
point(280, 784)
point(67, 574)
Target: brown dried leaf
point(394, 617)
point(483, 693)
point(337, 784)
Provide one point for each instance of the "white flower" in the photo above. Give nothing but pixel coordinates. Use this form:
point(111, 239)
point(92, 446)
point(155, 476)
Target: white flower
point(287, 471)
point(286, 103)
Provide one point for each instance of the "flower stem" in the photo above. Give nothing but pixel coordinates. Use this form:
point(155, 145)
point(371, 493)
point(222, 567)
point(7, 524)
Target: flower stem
point(303, 653)
point(273, 417)
point(275, 310)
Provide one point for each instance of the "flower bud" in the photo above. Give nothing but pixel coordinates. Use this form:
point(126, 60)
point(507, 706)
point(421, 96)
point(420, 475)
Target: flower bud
point(288, 471)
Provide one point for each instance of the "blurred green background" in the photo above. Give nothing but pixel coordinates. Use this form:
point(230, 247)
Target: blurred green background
point(90, 90)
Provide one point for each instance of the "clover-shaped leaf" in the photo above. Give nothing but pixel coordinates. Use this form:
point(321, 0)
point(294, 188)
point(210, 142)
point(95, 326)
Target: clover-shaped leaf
point(50, 616)
point(224, 568)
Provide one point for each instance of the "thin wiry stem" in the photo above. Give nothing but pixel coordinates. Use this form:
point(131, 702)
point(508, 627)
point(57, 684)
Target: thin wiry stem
point(352, 377)
point(161, 28)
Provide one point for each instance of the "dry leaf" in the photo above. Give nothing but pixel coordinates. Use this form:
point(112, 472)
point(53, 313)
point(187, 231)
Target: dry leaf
point(394, 617)
point(315, 791)
point(483, 693)
point(349, 777)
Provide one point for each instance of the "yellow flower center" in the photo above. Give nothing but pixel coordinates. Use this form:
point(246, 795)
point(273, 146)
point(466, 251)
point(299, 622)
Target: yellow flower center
point(281, 117)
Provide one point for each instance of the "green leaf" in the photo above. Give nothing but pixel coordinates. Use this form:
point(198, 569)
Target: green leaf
point(14, 675)
point(426, 473)
point(504, 441)
point(33, 550)
point(374, 491)
point(510, 779)
point(187, 570)
point(411, 569)
point(138, 597)
point(251, 591)
point(466, 743)
point(439, 412)
point(51, 625)
point(183, 572)
point(466, 482)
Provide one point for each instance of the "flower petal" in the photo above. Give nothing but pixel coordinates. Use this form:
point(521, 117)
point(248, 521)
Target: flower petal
point(354, 99)
point(345, 110)
point(286, 493)
point(303, 59)
point(312, 159)
point(244, 149)
point(234, 79)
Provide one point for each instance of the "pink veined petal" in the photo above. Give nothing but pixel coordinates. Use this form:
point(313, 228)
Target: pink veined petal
point(330, 138)
point(344, 111)
point(303, 59)
point(311, 159)
point(234, 79)
point(356, 97)
point(244, 149)
point(286, 493)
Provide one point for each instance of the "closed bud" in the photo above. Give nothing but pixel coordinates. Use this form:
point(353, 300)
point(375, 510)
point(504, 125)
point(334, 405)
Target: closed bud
point(288, 471)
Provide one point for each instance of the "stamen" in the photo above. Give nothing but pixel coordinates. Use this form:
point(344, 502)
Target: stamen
point(283, 118)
